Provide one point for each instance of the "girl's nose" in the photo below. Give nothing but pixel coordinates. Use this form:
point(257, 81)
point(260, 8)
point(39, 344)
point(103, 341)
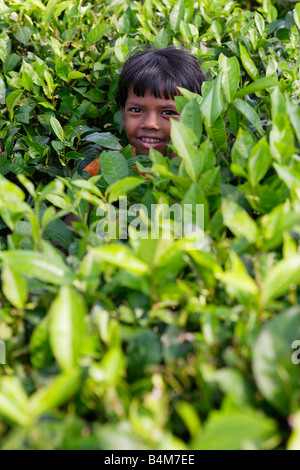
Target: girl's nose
point(150, 121)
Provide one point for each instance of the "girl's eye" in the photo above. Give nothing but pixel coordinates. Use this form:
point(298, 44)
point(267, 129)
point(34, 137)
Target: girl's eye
point(135, 110)
point(169, 112)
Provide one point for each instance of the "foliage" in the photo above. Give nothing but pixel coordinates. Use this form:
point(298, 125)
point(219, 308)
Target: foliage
point(145, 343)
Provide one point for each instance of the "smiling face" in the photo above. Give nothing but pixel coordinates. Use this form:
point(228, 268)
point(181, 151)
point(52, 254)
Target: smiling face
point(147, 121)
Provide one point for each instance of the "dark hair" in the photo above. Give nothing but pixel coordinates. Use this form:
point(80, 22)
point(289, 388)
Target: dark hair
point(160, 71)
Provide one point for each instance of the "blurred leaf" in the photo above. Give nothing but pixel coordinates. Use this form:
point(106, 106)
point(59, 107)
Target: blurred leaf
point(280, 278)
point(37, 265)
point(120, 188)
point(259, 161)
point(13, 401)
point(237, 430)
point(275, 374)
point(14, 286)
point(120, 256)
point(40, 351)
point(66, 327)
point(238, 221)
point(55, 394)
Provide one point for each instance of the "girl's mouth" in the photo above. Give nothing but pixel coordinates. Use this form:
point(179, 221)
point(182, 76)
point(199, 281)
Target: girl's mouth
point(150, 141)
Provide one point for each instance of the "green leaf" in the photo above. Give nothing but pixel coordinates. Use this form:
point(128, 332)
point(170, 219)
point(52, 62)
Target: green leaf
point(11, 61)
point(113, 166)
point(74, 75)
point(195, 207)
point(248, 63)
point(95, 95)
point(12, 100)
point(120, 188)
point(13, 401)
point(185, 31)
point(290, 175)
point(297, 15)
point(239, 221)
point(54, 395)
point(162, 39)
point(294, 115)
point(260, 23)
point(23, 35)
point(49, 12)
point(66, 327)
point(62, 69)
point(40, 351)
point(57, 129)
point(249, 114)
point(176, 16)
point(191, 117)
point(121, 49)
point(2, 91)
point(58, 232)
point(39, 266)
point(88, 274)
point(282, 141)
point(121, 257)
point(217, 133)
point(104, 139)
point(259, 161)
point(278, 105)
point(14, 286)
point(280, 278)
point(97, 33)
point(275, 374)
point(237, 278)
point(242, 148)
point(183, 139)
point(230, 76)
point(237, 430)
point(260, 84)
point(213, 102)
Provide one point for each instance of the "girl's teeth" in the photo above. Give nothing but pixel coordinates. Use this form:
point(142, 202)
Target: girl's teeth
point(152, 141)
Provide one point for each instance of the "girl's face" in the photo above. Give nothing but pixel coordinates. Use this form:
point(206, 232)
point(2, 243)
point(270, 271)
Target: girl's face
point(147, 121)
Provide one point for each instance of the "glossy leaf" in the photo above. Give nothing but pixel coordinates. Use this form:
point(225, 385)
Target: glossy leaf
point(57, 129)
point(97, 33)
point(14, 286)
point(249, 113)
point(39, 266)
point(113, 166)
point(230, 76)
point(248, 63)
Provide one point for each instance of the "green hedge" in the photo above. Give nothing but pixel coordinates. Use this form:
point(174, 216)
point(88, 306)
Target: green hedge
point(145, 343)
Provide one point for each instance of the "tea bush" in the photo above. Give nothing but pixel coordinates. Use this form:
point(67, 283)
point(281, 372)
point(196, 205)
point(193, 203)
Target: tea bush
point(143, 343)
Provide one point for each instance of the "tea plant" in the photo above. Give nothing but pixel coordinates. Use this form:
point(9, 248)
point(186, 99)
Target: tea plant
point(132, 342)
